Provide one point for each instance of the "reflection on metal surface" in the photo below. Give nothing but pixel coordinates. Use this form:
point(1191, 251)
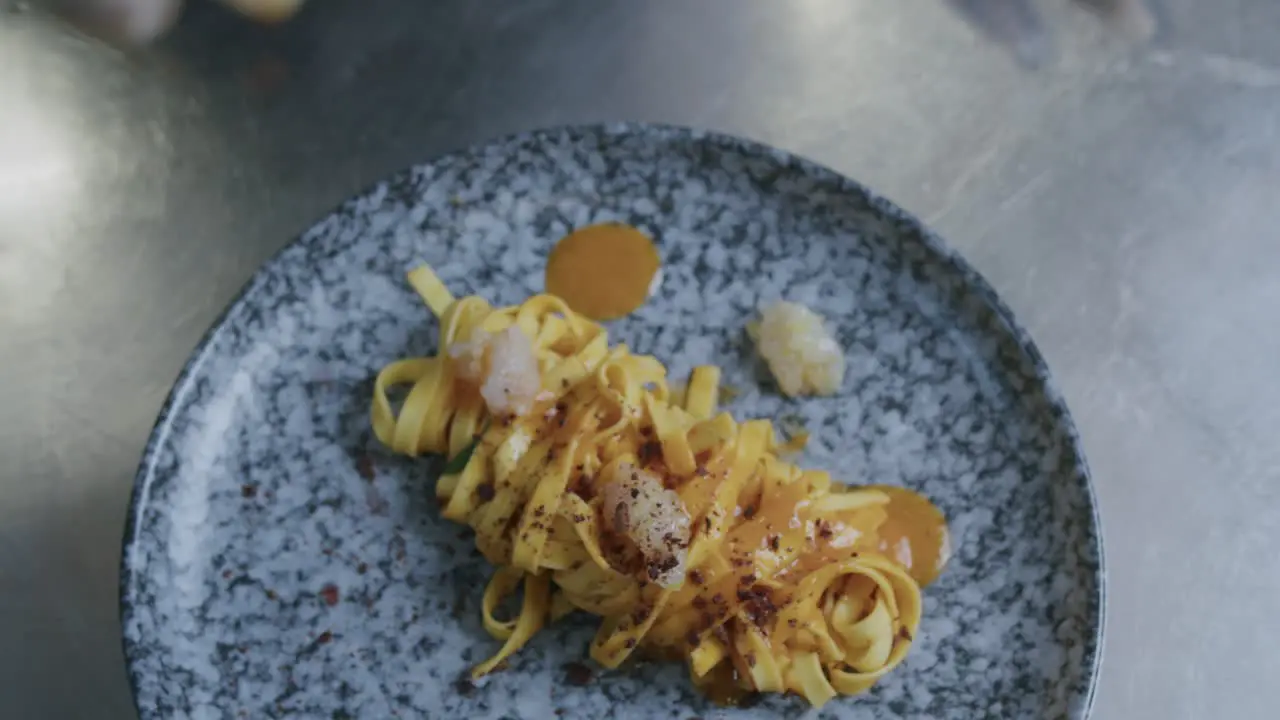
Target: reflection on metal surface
point(42, 174)
point(39, 167)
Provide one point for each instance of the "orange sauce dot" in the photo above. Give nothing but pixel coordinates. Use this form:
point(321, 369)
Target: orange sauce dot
point(603, 271)
point(915, 534)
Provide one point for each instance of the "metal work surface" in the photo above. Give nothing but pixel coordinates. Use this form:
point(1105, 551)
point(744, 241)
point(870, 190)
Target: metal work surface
point(1125, 202)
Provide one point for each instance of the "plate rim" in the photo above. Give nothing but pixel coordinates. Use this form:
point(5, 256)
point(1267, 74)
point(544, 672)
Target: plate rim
point(145, 475)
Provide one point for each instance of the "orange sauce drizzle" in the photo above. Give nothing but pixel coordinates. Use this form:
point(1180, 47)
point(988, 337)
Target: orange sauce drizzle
point(603, 271)
point(915, 534)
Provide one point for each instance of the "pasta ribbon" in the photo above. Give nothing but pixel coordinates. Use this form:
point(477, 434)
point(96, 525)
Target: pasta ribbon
point(682, 529)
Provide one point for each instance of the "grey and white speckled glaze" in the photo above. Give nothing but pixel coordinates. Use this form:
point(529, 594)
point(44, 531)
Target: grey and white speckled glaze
point(278, 562)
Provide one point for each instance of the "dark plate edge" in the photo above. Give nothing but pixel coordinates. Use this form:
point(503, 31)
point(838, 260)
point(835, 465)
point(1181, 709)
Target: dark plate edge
point(160, 430)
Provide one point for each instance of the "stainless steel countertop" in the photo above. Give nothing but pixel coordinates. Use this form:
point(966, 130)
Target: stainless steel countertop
point(1125, 202)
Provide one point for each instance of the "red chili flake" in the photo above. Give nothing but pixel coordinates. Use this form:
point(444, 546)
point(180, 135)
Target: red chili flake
point(648, 451)
point(635, 493)
point(749, 512)
point(327, 552)
point(364, 466)
point(666, 564)
point(693, 639)
point(707, 522)
point(718, 599)
point(696, 577)
point(905, 634)
point(640, 615)
point(775, 542)
point(271, 595)
point(747, 579)
point(792, 623)
point(579, 518)
point(248, 491)
point(485, 492)
point(362, 568)
point(325, 637)
point(630, 643)
point(329, 594)
point(577, 674)
point(539, 511)
point(226, 574)
point(751, 659)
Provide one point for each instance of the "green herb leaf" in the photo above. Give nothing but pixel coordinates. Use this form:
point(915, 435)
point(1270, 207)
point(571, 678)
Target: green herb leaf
point(458, 462)
point(793, 421)
point(728, 393)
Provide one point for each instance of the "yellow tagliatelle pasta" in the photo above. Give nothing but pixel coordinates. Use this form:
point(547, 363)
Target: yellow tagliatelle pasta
point(679, 527)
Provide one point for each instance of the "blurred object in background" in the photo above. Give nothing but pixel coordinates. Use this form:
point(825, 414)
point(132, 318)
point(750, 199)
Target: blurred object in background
point(1135, 17)
point(123, 22)
point(266, 11)
point(1012, 23)
point(1015, 24)
point(139, 22)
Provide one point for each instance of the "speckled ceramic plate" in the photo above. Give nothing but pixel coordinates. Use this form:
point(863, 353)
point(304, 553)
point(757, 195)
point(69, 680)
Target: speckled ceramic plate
point(278, 562)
